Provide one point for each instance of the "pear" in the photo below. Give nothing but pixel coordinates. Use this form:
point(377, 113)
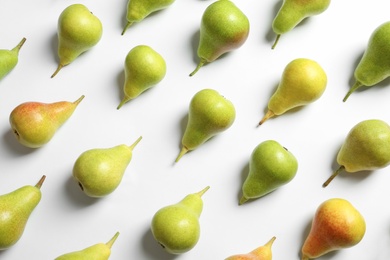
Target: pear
point(15, 210)
point(99, 171)
point(138, 10)
point(100, 251)
point(224, 28)
point(263, 252)
point(176, 227)
point(9, 59)
point(209, 114)
point(373, 66)
point(337, 224)
point(270, 166)
point(78, 31)
point(292, 12)
point(144, 68)
point(35, 123)
point(366, 147)
point(303, 82)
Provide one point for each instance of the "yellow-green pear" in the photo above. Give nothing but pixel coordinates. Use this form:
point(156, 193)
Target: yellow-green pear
point(292, 12)
point(144, 68)
point(366, 147)
point(78, 31)
point(9, 59)
point(100, 251)
point(99, 171)
point(303, 82)
point(35, 123)
point(176, 227)
point(263, 252)
point(15, 210)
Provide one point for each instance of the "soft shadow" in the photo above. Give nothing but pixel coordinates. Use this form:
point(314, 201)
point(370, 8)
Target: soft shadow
point(10, 141)
point(153, 249)
point(54, 47)
point(194, 46)
point(120, 79)
point(270, 35)
point(183, 126)
point(243, 176)
point(77, 196)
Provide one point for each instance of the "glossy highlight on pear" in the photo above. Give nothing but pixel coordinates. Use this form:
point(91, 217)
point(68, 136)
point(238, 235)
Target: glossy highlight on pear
point(9, 59)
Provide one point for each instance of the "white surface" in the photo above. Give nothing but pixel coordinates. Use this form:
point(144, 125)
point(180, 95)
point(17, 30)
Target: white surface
point(67, 220)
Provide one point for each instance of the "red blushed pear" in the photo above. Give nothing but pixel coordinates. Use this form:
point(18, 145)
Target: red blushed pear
point(263, 252)
point(337, 224)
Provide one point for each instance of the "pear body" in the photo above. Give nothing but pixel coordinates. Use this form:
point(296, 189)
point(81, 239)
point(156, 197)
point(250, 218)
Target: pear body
point(270, 166)
point(78, 31)
point(99, 171)
point(144, 68)
point(336, 225)
point(176, 227)
point(15, 210)
point(35, 123)
point(9, 59)
point(263, 252)
point(224, 28)
point(209, 114)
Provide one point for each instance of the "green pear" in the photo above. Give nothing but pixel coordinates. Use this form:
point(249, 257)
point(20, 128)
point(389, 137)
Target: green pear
point(78, 31)
point(99, 171)
point(292, 12)
point(263, 252)
point(224, 28)
point(373, 66)
point(34, 123)
point(144, 68)
point(100, 251)
point(303, 82)
point(336, 225)
point(270, 167)
point(366, 147)
point(176, 227)
point(138, 10)
point(209, 114)
point(9, 59)
point(15, 210)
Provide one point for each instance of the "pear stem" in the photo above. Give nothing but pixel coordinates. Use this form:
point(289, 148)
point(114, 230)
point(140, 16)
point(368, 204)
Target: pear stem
point(19, 46)
point(135, 143)
point(276, 41)
point(124, 100)
point(242, 200)
point(112, 240)
point(200, 64)
point(200, 193)
point(267, 116)
point(183, 151)
point(270, 242)
point(305, 257)
point(128, 24)
point(354, 87)
point(79, 100)
point(40, 182)
point(333, 176)
point(57, 70)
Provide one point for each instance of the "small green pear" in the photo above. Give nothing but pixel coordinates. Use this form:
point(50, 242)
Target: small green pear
point(9, 59)
point(144, 68)
point(138, 10)
point(35, 123)
point(366, 147)
point(100, 251)
point(263, 252)
point(78, 31)
point(303, 82)
point(224, 28)
point(373, 66)
point(15, 210)
point(176, 227)
point(99, 171)
point(209, 114)
point(270, 167)
point(292, 12)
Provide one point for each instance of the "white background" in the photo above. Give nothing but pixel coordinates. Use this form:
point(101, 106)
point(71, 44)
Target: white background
point(67, 220)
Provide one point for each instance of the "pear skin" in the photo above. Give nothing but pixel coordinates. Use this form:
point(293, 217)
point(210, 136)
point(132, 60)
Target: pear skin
point(263, 252)
point(337, 224)
point(15, 210)
point(35, 123)
point(9, 59)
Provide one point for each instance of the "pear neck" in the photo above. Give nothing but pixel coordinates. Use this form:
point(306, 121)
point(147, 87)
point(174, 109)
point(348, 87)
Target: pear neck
point(112, 240)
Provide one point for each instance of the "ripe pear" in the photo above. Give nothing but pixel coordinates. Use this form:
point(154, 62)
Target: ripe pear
point(176, 227)
point(99, 171)
point(9, 59)
point(34, 123)
point(303, 82)
point(263, 252)
point(144, 68)
point(373, 66)
point(270, 167)
point(100, 251)
point(209, 114)
point(15, 210)
point(224, 28)
point(78, 31)
point(366, 147)
point(292, 12)
point(337, 224)
point(138, 10)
